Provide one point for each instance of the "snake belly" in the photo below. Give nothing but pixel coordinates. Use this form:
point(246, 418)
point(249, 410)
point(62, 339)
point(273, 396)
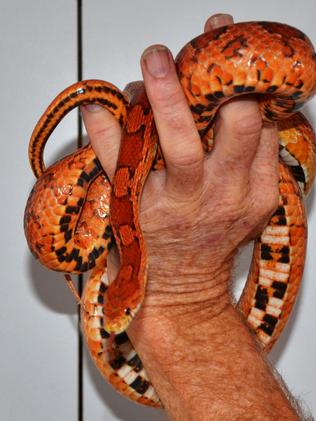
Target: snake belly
point(74, 216)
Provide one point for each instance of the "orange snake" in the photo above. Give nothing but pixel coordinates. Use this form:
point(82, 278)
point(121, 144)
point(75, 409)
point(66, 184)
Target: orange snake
point(73, 216)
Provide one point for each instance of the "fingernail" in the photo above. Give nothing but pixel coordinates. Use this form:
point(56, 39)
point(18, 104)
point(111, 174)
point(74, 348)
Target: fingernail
point(92, 108)
point(218, 20)
point(157, 60)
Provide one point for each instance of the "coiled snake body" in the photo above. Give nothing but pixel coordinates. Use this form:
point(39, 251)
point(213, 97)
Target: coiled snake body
point(73, 216)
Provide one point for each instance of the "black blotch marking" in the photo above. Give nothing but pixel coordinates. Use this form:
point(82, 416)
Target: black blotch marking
point(298, 173)
point(260, 305)
point(65, 219)
point(75, 94)
point(249, 89)
point(121, 338)
point(84, 267)
point(285, 31)
point(73, 255)
point(197, 109)
point(118, 362)
point(102, 288)
point(204, 118)
point(140, 385)
point(271, 320)
point(72, 210)
point(271, 89)
point(107, 103)
point(79, 263)
point(268, 329)
point(219, 94)
point(239, 89)
point(93, 173)
point(94, 254)
point(240, 40)
point(108, 233)
point(266, 252)
point(281, 221)
point(64, 227)
point(299, 85)
point(104, 334)
point(212, 98)
point(136, 363)
point(280, 289)
point(61, 251)
point(280, 211)
point(285, 254)
point(68, 235)
point(80, 182)
point(101, 250)
point(91, 264)
point(210, 67)
point(290, 53)
point(297, 94)
point(219, 31)
point(271, 115)
point(110, 246)
point(85, 176)
point(261, 297)
point(80, 201)
point(258, 75)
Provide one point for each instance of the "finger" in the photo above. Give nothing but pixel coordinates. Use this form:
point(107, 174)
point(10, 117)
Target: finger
point(104, 133)
point(178, 135)
point(237, 135)
point(217, 21)
point(264, 174)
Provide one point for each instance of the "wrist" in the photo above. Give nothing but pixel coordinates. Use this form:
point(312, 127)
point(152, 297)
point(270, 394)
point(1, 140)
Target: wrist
point(182, 286)
point(206, 369)
point(178, 288)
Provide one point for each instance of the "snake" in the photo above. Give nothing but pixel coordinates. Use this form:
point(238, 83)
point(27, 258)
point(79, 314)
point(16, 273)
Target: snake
point(75, 216)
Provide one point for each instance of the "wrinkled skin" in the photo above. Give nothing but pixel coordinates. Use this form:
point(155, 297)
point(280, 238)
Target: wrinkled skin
point(208, 205)
point(197, 351)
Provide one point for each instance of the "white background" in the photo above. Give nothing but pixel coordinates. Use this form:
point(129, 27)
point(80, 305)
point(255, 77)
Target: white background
point(38, 348)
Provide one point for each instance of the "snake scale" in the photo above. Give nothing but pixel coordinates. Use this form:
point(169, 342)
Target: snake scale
point(74, 216)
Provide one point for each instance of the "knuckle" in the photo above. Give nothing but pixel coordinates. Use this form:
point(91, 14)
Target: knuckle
point(265, 204)
point(104, 132)
point(169, 101)
point(272, 204)
point(167, 94)
point(243, 118)
point(172, 107)
point(249, 126)
point(189, 163)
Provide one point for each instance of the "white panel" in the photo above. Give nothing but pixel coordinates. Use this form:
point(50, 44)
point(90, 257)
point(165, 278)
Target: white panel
point(38, 351)
point(115, 34)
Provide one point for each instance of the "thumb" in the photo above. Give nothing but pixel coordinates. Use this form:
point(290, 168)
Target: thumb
point(104, 133)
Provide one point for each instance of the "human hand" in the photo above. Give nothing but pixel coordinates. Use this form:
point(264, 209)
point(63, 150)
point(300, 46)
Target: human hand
point(196, 212)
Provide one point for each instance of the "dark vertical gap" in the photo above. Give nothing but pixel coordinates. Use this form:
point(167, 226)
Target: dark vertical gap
point(80, 277)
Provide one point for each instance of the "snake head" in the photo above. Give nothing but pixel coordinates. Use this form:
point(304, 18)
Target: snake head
point(121, 321)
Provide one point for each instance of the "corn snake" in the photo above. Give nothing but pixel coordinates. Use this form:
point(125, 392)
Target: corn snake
point(285, 75)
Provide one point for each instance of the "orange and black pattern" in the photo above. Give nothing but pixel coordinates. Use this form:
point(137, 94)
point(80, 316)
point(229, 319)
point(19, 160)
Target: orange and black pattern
point(74, 216)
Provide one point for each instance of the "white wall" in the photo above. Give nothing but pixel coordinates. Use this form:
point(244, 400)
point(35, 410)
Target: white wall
point(38, 351)
point(37, 317)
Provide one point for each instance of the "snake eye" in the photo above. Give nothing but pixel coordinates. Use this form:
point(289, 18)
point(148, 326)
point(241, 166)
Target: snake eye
point(127, 311)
